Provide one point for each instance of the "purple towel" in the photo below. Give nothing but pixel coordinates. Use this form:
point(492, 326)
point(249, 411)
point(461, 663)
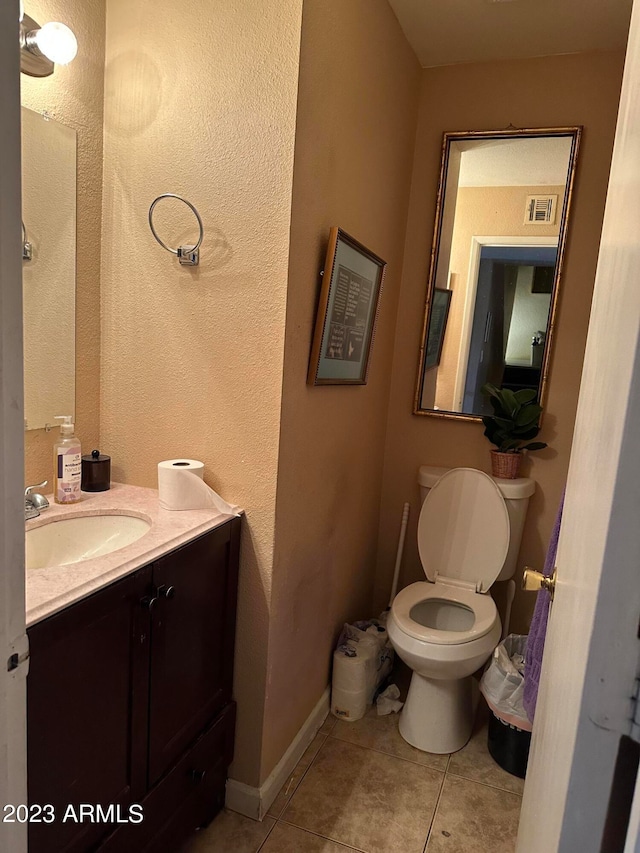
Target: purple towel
point(538, 631)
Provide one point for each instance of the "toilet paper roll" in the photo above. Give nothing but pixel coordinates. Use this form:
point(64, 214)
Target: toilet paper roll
point(350, 673)
point(181, 487)
point(379, 633)
point(348, 705)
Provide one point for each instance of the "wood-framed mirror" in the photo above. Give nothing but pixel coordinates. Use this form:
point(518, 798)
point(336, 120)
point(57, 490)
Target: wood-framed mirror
point(502, 213)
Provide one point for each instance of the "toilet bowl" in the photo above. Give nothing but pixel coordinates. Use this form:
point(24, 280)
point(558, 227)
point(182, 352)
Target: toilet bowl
point(446, 627)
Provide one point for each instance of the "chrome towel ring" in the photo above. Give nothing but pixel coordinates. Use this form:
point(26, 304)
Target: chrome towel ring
point(27, 249)
point(187, 255)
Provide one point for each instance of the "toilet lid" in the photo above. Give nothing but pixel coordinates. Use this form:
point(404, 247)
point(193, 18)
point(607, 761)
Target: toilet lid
point(464, 529)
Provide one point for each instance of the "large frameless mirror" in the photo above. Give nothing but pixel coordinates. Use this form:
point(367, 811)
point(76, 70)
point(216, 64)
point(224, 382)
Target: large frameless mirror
point(500, 230)
point(48, 268)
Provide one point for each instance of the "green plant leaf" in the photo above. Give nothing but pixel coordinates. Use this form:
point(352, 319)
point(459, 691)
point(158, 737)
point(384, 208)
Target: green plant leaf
point(527, 416)
point(505, 423)
point(526, 395)
point(490, 433)
point(511, 404)
point(497, 406)
point(535, 445)
point(490, 390)
point(515, 419)
point(525, 433)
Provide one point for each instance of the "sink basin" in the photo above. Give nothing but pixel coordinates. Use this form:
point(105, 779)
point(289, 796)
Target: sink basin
point(71, 540)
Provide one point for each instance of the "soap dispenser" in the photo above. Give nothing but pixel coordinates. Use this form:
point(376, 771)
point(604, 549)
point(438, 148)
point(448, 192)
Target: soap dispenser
point(66, 464)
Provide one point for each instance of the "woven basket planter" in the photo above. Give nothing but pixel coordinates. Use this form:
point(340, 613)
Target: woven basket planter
point(505, 465)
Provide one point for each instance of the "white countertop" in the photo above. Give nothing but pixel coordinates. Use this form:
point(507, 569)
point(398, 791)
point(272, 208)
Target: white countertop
point(52, 589)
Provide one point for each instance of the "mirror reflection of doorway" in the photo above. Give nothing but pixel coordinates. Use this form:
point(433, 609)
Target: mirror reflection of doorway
point(513, 298)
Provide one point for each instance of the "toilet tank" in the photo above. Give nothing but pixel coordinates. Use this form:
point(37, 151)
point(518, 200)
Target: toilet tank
point(516, 494)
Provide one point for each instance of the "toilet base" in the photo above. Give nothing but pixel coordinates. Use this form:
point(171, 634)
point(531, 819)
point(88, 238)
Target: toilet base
point(438, 714)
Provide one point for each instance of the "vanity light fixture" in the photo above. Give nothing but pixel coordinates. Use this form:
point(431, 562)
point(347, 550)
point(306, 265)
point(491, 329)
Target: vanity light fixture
point(41, 47)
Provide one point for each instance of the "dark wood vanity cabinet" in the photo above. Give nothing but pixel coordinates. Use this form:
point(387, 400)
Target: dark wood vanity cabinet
point(191, 666)
point(85, 692)
point(129, 702)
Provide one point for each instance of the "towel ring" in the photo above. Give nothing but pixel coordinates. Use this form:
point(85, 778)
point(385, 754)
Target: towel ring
point(27, 249)
point(187, 255)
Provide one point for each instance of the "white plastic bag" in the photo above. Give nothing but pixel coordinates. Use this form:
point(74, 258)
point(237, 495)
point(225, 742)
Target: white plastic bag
point(502, 684)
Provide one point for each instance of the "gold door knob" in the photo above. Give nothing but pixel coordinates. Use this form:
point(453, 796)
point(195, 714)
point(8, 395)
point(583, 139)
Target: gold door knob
point(533, 581)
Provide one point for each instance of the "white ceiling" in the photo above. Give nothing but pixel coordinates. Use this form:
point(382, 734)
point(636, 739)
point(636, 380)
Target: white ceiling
point(447, 32)
point(539, 161)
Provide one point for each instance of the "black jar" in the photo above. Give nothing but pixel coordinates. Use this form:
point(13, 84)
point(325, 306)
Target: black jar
point(96, 472)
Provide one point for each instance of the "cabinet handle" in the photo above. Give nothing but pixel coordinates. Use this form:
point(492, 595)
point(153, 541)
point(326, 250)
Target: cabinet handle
point(166, 591)
point(149, 601)
point(197, 776)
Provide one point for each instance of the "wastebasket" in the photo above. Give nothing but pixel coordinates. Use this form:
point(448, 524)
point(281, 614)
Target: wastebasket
point(502, 685)
point(508, 746)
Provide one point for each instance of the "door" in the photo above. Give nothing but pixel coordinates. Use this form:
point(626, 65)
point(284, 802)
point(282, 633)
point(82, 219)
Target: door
point(592, 650)
point(192, 642)
point(87, 712)
point(13, 788)
point(506, 305)
point(486, 352)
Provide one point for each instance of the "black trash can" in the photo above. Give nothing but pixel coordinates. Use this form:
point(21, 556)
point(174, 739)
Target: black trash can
point(508, 746)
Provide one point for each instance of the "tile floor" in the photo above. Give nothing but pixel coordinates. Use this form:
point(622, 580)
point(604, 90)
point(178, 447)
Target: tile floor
point(360, 787)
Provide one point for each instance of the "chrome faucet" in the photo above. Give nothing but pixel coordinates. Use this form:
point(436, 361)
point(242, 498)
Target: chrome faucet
point(34, 503)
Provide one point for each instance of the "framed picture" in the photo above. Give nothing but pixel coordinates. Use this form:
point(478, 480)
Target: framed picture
point(437, 326)
point(347, 313)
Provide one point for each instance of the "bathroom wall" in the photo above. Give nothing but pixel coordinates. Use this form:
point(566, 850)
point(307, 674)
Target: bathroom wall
point(546, 92)
point(529, 313)
point(73, 95)
point(200, 363)
point(357, 109)
point(202, 103)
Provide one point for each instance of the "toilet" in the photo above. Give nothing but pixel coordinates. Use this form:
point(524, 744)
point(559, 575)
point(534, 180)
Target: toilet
point(446, 627)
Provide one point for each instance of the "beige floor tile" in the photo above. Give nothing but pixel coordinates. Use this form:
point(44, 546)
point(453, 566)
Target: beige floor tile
point(365, 799)
point(472, 818)
point(290, 839)
point(230, 833)
point(293, 781)
point(474, 761)
point(327, 726)
point(382, 733)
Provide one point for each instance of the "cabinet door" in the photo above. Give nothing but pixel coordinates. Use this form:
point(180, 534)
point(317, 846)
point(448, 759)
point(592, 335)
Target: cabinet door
point(192, 642)
point(88, 665)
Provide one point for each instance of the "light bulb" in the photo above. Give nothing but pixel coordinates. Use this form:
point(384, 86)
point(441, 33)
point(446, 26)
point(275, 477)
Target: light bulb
point(57, 42)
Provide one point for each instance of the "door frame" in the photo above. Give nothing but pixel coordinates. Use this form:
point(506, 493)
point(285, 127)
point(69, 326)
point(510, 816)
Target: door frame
point(477, 245)
point(592, 650)
point(13, 766)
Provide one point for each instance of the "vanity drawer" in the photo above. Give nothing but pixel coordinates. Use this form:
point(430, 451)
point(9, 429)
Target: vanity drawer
point(190, 795)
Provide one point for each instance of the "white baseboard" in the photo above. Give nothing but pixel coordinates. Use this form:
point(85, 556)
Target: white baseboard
point(256, 802)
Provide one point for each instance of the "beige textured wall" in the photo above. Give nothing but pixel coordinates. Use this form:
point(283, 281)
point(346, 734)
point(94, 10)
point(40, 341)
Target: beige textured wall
point(553, 91)
point(192, 359)
point(489, 212)
point(73, 95)
point(356, 129)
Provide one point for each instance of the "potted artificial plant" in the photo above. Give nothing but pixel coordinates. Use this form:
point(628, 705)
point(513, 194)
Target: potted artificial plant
point(513, 424)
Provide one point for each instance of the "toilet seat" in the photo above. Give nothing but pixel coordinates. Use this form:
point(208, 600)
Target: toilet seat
point(481, 606)
point(464, 529)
